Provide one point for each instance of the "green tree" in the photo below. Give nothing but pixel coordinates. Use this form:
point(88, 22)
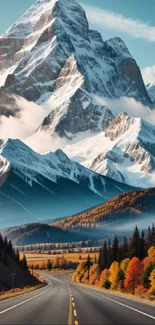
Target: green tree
point(24, 262)
point(88, 265)
point(115, 249)
point(146, 275)
point(49, 265)
point(134, 245)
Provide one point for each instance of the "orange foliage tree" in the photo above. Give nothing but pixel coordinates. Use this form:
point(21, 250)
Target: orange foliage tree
point(133, 274)
point(94, 274)
point(104, 277)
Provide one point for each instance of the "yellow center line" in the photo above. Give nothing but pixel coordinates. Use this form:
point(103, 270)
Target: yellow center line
point(73, 304)
point(72, 298)
point(70, 311)
point(76, 322)
point(75, 313)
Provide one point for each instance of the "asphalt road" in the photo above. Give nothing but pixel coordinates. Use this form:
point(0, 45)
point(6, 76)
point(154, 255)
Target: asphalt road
point(63, 302)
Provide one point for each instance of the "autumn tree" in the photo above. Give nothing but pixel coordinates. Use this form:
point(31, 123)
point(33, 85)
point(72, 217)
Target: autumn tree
point(79, 273)
point(133, 274)
point(94, 274)
point(151, 251)
point(152, 283)
point(124, 265)
point(114, 269)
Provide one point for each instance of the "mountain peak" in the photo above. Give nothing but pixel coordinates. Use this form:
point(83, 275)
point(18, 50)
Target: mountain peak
point(119, 126)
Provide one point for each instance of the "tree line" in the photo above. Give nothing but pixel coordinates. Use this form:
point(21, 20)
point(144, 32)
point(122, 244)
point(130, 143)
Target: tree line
point(127, 266)
point(137, 246)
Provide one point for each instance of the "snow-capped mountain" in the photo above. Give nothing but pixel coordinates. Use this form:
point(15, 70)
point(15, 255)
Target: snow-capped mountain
point(151, 90)
point(55, 58)
point(36, 187)
point(51, 57)
point(124, 152)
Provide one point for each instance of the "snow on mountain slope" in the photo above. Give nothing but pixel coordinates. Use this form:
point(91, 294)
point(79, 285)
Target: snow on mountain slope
point(151, 90)
point(37, 187)
point(58, 60)
point(52, 166)
point(54, 59)
point(124, 152)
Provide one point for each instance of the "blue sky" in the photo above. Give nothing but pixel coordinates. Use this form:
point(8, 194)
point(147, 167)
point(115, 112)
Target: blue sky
point(132, 20)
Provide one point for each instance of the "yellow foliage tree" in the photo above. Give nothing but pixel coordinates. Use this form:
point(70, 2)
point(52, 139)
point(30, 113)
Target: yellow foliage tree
point(85, 277)
point(79, 273)
point(152, 279)
point(124, 265)
point(114, 269)
point(151, 251)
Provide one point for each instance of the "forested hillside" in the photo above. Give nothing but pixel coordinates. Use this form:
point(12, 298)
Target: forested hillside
point(130, 206)
point(11, 265)
point(40, 233)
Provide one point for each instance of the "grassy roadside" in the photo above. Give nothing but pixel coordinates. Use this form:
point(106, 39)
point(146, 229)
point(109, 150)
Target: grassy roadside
point(18, 291)
point(142, 298)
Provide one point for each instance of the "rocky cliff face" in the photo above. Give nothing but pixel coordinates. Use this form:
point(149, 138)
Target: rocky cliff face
point(51, 55)
point(124, 152)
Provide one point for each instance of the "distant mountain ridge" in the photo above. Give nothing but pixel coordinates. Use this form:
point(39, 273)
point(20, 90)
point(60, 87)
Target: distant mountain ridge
point(39, 187)
point(126, 208)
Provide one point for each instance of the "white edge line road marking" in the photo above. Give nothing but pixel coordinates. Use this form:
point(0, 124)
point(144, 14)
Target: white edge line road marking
point(114, 295)
point(25, 301)
point(18, 296)
point(119, 303)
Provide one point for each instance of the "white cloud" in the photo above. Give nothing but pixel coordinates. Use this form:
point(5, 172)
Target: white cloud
point(148, 74)
point(118, 22)
point(27, 121)
point(43, 142)
point(130, 106)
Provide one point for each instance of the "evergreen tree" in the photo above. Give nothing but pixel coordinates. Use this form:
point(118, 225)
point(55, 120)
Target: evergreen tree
point(115, 250)
point(24, 262)
point(17, 255)
point(134, 246)
point(49, 265)
point(146, 275)
point(142, 247)
point(125, 248)
point(88, 265)
point(120, 276)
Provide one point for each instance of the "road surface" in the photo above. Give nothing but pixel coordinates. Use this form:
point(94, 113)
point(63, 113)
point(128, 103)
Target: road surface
point(66, 303)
